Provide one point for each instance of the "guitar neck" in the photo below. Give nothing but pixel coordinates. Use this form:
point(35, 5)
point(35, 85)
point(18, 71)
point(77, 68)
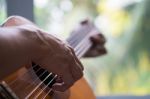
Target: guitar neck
point(79, 39)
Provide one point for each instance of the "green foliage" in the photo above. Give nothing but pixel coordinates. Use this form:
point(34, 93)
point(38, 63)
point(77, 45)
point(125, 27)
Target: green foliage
point(2, 11)
point(125, 69)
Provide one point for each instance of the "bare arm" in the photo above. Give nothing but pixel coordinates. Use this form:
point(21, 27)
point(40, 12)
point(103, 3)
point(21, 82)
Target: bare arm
point(23, 43)
point(10, 58)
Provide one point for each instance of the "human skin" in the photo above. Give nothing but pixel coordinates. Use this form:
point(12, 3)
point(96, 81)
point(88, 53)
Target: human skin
point(23, 43)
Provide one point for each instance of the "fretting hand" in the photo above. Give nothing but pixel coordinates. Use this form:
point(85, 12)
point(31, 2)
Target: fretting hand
point(98, 40)
point(98, 48)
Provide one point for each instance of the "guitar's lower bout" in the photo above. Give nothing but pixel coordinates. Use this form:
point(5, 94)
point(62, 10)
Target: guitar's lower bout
point(80, 90)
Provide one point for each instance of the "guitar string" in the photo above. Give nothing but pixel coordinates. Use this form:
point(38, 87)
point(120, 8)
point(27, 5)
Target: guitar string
point(33, 76)
point(83, 31)
point(82, 52)
point(36, 89)
point(43, 81)
point(83, 40)
point(37, 86)
point(72, 37)
point(37, 78)
point(50, 90)
point(86, 44)
point(76, 40)
point(27, 73)
point(79, 54)
point(83, 48)
point(42, 90)
point(39, 69)
point(47, 94)
point(31, 68)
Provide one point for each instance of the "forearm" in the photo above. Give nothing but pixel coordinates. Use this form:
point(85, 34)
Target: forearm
point(10, 57)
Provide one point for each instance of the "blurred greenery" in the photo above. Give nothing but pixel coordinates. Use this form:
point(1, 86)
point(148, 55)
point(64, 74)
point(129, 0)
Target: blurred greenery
point(126, 67)
point(2, 11)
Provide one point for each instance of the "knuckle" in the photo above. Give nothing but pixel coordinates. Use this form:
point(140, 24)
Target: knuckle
point(80, 75)
point(63, 89)
point(14, 17)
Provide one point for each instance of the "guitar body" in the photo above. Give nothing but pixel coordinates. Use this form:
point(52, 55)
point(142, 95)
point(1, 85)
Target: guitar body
point(80, 90)
point(23, 85)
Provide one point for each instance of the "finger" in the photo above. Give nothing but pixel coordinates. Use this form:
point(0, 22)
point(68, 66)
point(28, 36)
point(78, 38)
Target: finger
point(59, 80)
point(16, 21)
point(76, 72)
point(103, 39)
point(101, 50)
point(95, 51)
point(92, 53)
point(77, 67)
point(68, 81)
point(98, 39)
point(76, 59)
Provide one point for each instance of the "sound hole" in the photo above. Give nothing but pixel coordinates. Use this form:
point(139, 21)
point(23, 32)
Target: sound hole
point(42, 74)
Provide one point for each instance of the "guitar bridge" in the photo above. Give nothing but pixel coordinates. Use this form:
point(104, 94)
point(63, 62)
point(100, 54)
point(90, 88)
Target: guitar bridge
point(6, 92)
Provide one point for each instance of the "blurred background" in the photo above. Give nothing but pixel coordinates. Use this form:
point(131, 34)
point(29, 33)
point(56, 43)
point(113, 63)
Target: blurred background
point(125, 70)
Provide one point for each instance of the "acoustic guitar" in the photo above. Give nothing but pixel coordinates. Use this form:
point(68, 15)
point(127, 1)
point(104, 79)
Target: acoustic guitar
point(35, 82)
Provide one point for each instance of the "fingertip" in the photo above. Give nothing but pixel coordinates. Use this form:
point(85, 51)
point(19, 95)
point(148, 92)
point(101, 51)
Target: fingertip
point(76, 73)
point(58, 87)
point(61, 87)
point(102, 50)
